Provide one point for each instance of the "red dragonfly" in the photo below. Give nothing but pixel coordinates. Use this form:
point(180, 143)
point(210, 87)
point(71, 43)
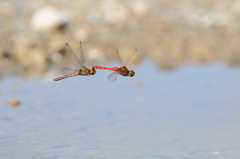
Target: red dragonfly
point(123, 70)
point(83, 70)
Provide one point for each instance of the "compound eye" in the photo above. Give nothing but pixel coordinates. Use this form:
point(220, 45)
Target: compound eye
point(131, 74)
point(92, 72)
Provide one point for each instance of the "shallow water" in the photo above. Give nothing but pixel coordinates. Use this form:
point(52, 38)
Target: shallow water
point(191, 112)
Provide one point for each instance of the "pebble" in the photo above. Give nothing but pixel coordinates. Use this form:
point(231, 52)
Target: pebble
point(57, 57)
point(138, 84)
point(49, 18)
point(139, 8)
point(114, 12)
point(3, 118)
point(81, 34)
point(97, 55)
point(108, 11)
point(13, 102)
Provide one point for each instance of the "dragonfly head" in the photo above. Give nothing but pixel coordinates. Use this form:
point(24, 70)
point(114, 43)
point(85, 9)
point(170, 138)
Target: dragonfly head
point(92, 71)
point(131, 73)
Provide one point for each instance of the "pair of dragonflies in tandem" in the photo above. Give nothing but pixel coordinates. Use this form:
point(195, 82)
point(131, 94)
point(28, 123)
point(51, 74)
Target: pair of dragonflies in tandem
point(84, 71)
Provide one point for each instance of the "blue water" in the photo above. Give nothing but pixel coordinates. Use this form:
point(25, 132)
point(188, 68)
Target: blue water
point(189, 112)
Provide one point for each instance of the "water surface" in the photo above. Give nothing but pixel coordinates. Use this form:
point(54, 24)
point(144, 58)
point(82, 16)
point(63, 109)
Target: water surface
point(191, 112)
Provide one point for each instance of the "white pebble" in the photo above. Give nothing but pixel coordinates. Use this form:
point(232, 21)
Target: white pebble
point(96, 55)
point(49, 18)
point(57, 57)
point(81, 34)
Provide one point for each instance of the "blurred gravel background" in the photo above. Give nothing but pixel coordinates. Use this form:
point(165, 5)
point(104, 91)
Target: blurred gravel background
point(171, 33)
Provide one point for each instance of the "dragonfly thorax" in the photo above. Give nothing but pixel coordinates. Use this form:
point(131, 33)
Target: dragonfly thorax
point(124, 71)
point(84, 71)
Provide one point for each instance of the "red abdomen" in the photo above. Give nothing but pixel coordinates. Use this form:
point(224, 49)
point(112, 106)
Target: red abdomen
point(106, 68)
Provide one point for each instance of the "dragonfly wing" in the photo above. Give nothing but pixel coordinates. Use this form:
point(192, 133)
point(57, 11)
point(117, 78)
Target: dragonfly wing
point(82, 59)
point(130, 57)
point(117, 58)
point(113, 76)
point(79, 60)
point(66, 70)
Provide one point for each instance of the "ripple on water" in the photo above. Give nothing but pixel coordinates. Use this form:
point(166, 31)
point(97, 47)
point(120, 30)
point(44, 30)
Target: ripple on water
point(100, 151)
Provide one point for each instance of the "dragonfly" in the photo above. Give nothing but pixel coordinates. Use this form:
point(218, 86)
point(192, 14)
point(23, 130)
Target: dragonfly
point(123, 70)
point(82, 69)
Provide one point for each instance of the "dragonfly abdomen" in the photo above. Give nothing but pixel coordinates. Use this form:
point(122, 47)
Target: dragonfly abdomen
point(66, 76)
point(106, 68)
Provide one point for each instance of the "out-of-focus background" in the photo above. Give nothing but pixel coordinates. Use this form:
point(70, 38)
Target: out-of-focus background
point(183, 101)
point(170, 33)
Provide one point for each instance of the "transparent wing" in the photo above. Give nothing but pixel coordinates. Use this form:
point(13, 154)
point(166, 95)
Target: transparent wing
point(129, 59)
point(113, 76)
point(117, 58)
point(67, 70)
point(78, 60)
point(82, 59)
